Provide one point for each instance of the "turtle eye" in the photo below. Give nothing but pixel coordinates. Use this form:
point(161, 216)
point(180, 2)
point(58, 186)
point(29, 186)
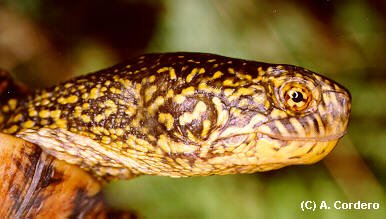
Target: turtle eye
point(296, 96)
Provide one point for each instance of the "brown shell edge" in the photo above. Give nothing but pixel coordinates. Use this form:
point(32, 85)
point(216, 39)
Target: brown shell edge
point(35, 184)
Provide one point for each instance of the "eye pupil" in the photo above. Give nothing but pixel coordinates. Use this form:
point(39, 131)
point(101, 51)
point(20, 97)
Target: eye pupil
point(297, 96)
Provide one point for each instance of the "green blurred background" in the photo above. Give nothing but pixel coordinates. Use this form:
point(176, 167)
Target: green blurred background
point(43, 42)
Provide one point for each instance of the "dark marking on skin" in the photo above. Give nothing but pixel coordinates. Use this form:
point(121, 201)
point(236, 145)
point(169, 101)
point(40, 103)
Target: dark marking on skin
point(27, 168)
point(290, 128)
point(83, 203)
point(273, 128)
point(15, 194)
point(316, 124)
point(311, 148)
point(49, 175)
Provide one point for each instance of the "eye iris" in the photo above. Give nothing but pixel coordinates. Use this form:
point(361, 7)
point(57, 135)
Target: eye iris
point(297, 97)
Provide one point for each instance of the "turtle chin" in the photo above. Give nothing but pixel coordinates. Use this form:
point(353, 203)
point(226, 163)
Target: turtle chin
point(259, 152)
point(278, 151)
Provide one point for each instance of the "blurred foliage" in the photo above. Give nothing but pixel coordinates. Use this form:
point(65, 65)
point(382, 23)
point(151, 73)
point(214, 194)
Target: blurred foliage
point(345, 40)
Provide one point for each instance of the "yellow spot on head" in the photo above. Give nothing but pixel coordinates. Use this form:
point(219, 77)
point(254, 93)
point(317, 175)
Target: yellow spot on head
point(110, 111)
point(72, 99)
point(68, 85)
point(17, 118)
point(77, 111)
point(227, 82)
point(119, 132)
point(11, 130)
point(204, 87)
point(231, 70)
point(115, 90)
point(28, 124)
point(44, 122)
point(95, 130)
point(205, 128)
point(85, 96)
point(149, 92)
point(188, 91)
point(267, 104)
point(167, 119)
point(85, 118)
point(56, 113)
point(106, 140)
point(61, 123)
point(45, 95)
point(162, 69)
point(99, 117)
point(188, 117)
point(244, 102)
point(95, 93)
point(245, 91)
point(191, 75)
point(170, 93)
point(216, 75)
point(110, 103)
point(159, 101)
point(152, 79)
point(172, 74)
point(44, 114)
point(6, 108)
point(12, 104)
point(130, 111)
point(235, 111)
point(228, 91)
point(60, 100)
point(45, 102)
point(85, 106)
point(138, 87)
point(242, 91)
point(135, 123)
point(179, 99)
point(278, 114)
point(222, 115)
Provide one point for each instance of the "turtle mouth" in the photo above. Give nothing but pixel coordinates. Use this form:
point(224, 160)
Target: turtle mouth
point(237, 139)
point(325, 138)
